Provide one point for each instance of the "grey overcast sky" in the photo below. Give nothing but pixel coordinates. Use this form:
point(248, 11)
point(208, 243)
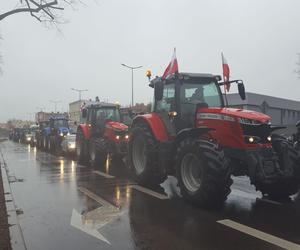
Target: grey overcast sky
point(260, 40)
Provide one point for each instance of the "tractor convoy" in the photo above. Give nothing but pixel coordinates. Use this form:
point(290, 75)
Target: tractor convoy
point(190, 134)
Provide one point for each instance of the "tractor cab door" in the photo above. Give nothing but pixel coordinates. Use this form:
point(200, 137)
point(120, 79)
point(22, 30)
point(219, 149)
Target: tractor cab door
point(167, 105)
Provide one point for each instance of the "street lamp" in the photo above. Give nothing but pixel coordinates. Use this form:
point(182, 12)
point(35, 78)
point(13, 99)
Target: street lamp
point(132, 68)
point(55, 104)
point(79, 92)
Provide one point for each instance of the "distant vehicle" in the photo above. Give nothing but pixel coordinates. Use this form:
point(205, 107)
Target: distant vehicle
point(54, 134)
point(103, 133)
point(39, 134)
point(68, 144)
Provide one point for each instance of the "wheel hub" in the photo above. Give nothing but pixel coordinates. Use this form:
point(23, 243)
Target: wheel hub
point(191, 172)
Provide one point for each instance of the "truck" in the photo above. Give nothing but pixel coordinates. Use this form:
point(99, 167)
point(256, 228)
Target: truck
point(101, 134)
point(194, 136)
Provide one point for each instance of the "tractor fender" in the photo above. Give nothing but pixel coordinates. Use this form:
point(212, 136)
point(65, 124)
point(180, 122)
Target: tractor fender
point(155, 124)
point(191, 132)
point(85, 130)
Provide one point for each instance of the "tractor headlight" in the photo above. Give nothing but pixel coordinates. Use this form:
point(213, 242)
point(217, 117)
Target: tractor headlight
point(252, 139)
point(71, 145)
point(269, 138)
point(126, 137)
point(117, 137)
point(28, 138)
point(61, 134)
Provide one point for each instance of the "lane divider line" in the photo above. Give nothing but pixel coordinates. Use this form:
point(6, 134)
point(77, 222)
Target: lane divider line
point(260, 235)
point(103, 174)
point(150, 192)
point(95, 197)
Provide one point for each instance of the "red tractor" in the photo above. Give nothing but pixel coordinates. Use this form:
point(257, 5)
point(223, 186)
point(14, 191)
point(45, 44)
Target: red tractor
point(103, 133)
point(192, 135)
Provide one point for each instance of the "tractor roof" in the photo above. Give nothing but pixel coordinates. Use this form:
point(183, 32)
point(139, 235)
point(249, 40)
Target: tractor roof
point(187, 76)
point(100, 105)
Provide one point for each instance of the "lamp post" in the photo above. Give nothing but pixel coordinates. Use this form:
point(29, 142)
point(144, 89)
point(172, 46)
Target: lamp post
point(79, 92)
point(55, 104)
point(132, 69)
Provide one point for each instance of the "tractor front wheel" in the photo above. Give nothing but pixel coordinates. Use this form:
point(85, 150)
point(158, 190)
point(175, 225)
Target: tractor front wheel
point(288, 175)
point(203, 173)
point(97, 156)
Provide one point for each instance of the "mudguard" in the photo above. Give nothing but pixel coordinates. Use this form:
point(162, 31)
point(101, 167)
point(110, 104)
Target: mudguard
point(86, 130)
point(191, 132)
point(156, 125)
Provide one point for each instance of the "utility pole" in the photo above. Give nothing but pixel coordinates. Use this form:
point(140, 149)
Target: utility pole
point(55, 104)
point(79, 92)
point(132, 69)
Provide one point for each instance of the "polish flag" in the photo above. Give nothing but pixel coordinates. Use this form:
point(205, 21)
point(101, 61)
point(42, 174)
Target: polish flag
point(226, 73)
point(172, 67)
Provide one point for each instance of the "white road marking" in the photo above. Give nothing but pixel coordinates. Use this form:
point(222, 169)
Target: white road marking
point(95, 197)
point(269, 201)
point(103, 174)
point(260, 235)
point(90, 222)
point(150, 192)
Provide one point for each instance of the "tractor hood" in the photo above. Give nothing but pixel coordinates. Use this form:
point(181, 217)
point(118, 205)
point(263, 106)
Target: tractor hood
point(117, 126)
point(238, 113)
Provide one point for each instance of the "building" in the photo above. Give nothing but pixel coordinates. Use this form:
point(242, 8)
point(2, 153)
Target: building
point(282, 111)
point(75, 110)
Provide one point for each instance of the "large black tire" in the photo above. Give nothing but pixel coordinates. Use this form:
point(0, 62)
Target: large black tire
point(203, 173)
point(81, 153)
point(288, 176)
point(97, 155)
point(142, 156)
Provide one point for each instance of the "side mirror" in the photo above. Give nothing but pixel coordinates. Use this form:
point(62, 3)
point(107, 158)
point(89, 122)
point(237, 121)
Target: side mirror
point(158, 91)
point(241, 89)
point(84, 113)
point(75, 123)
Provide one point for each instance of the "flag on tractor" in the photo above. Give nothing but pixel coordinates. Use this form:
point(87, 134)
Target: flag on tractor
point(226, 73)
point(172, 67)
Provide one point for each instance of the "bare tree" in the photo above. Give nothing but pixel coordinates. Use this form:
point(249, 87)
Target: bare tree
point(46, 11)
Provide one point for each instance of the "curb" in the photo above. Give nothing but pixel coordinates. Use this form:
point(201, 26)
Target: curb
point(16, 235)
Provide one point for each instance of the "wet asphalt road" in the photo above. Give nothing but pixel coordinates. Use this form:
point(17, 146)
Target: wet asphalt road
point(70, 206)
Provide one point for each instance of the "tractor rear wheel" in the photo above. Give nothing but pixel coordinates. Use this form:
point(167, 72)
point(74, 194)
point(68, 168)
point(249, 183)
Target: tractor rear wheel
point(203, 173)
point(80, 147)
point(288, 181)
point(142, 156)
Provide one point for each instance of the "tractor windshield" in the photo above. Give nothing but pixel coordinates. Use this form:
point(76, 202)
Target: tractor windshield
point(60, 123)
point(207, 93)
point(112, 114)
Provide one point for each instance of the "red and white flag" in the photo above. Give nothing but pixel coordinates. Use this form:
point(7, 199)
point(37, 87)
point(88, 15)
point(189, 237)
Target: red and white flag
point(172, 67)
point(226, 73)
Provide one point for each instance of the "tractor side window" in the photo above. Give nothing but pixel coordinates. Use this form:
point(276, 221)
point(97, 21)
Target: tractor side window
point(167, 103)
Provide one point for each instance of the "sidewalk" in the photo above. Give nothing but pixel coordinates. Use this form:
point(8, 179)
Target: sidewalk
point(4, 228)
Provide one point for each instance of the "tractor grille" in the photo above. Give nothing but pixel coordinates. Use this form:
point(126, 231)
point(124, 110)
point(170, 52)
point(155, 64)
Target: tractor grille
point(262, 131)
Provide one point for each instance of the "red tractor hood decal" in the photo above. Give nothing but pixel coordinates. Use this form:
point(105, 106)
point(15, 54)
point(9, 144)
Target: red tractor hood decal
point(238, 113)
point(117, 126)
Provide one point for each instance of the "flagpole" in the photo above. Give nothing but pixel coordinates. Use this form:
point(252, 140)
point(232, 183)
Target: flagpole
point(225, 94)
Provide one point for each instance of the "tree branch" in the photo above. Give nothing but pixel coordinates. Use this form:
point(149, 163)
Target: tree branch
point(31, 10)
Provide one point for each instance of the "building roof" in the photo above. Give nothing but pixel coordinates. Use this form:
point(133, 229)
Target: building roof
point(258, 100)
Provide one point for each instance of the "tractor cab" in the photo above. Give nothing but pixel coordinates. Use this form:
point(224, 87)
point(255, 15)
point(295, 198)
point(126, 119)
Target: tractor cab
point(102, 118)
point(179, 97)
point(59, 125)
